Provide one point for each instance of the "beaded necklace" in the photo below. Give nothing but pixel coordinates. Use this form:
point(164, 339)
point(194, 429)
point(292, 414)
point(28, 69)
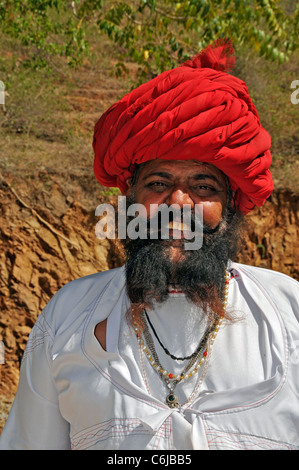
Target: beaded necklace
point(171, 380)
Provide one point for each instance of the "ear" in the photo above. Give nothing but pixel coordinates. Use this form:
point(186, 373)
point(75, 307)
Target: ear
point(129, 184)
point(232, 201)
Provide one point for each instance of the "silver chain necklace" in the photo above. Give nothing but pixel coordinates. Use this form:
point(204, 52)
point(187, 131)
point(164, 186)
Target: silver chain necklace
point(172, 380)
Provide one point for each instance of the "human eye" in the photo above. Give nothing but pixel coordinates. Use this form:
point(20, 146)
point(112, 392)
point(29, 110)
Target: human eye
point(157, 186)
point(204, 189)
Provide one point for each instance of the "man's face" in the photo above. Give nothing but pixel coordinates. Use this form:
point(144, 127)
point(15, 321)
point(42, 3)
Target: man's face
point(153, 265)
point(183, 182)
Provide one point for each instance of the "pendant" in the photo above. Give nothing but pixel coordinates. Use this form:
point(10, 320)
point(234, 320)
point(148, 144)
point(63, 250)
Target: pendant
point(172, 401)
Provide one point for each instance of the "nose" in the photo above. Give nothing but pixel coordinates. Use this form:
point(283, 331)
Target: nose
point(180, 196)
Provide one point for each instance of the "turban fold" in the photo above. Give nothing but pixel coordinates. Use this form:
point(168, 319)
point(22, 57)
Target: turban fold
point(196, 111)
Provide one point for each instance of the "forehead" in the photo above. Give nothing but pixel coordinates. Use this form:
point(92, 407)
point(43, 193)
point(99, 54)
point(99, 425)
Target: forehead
point(180, 168)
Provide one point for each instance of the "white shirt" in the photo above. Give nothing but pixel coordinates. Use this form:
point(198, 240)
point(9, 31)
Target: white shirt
point(73, 394)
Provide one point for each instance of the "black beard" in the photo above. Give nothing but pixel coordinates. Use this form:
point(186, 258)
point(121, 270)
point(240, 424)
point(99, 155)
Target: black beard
point(200, 274)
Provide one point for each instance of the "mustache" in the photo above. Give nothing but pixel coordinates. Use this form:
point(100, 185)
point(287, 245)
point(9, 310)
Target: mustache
point(164, 219)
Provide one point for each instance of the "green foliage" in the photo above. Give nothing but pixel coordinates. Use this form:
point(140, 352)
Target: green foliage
point(50, 26)
point(156, 34)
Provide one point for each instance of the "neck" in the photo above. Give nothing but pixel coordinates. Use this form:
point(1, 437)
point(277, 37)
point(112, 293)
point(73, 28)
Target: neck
point(178, 323)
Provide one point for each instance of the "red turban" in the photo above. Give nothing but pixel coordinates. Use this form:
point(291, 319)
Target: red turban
point(196, 111)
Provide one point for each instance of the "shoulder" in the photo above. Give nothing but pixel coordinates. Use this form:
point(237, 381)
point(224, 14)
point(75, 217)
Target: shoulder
point(283, 289)
point(75, 299)
point(266, 275)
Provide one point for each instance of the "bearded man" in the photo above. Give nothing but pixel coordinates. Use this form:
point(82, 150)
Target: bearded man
point(178, 349)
